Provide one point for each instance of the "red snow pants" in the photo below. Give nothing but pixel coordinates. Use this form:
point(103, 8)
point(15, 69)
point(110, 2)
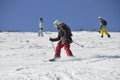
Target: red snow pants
point(66, 47)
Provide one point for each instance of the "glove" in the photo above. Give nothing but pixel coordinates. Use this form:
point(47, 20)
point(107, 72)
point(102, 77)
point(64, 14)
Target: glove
point(50, 39)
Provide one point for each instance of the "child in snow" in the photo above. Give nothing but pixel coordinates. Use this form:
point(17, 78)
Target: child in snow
point(41, 26)
point(103, 28)
point(64, 38)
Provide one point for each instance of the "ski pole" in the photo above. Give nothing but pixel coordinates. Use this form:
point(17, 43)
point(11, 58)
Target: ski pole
point(78, 44)
point(52, 44)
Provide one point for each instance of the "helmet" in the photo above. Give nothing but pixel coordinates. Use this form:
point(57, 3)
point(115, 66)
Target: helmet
point(99, 17)
point(56, 23)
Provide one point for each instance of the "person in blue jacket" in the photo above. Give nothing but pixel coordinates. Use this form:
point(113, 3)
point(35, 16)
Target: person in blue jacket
point(41, 26)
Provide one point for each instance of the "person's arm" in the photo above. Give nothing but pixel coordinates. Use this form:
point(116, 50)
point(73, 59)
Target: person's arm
point(55, 39)
point(61, 35)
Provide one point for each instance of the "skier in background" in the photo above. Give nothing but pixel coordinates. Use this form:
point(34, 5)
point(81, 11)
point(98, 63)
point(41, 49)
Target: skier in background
point(64, 38)
point(103, 27)
point(41, 26)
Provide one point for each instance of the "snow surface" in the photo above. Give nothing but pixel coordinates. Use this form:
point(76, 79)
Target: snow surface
point(24, 55)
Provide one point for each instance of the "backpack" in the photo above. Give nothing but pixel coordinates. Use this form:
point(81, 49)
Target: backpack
point(67, 29)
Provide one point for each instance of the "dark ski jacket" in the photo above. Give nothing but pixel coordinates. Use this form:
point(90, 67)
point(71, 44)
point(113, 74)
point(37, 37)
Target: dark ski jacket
point(103, 23)
point(64, 34)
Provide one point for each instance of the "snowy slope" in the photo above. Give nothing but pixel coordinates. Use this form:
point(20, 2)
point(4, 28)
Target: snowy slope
point(23, 57)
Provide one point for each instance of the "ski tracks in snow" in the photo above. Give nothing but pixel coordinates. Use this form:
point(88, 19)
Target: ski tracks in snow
point(22, 55)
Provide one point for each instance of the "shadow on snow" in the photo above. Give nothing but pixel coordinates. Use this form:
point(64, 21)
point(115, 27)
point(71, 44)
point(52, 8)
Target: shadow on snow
point(104, 57)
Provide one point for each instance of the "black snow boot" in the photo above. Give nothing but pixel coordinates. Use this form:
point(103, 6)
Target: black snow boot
point(109, 36)
point(101, 36)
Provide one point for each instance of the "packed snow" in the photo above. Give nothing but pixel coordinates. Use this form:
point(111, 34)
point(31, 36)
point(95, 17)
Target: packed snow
point(24, 56)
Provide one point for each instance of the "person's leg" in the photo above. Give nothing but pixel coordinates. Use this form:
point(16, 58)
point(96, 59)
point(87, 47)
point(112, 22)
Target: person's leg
point(67, 49)
point(101, 33)
point(58, 50)
point(106, 32)
point(41, 32)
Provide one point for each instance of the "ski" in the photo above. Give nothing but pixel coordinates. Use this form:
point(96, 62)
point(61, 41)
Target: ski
point(63, 59)
point(67, 59)
point(53, 59)
point(50, 60)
